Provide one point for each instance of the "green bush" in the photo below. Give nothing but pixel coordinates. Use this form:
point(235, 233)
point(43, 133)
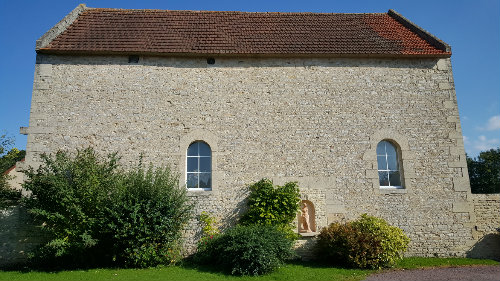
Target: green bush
point(247, 250)
point(98, 215)
point(145, 218)
point(270, 205)
point(368, 242)
point(70, 195)
point(8, 196)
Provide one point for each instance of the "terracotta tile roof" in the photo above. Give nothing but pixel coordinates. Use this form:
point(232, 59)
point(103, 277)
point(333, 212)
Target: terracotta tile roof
point(98, 30)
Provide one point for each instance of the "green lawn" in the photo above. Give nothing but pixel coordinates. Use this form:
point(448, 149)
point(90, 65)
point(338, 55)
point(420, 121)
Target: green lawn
point(292, 271)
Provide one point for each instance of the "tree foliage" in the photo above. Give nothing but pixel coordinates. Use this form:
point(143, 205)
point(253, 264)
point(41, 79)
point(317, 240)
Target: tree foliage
point(8, 158)
point(272, 205)
point(484, 172)
point(247, 250)
point(368, 242)
point(96, 214)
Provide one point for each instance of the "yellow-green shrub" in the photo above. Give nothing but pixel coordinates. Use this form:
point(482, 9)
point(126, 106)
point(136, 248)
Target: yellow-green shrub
point(368, 242)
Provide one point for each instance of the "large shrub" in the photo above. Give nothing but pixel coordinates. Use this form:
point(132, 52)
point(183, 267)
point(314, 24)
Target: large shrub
point(368, 242)
point(270, 205)
point(8, 196)
point(97, 215)
point(146, 217)
point(70, 196)
point(247, 250)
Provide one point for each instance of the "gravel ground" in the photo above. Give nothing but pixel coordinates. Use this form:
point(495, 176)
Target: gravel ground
point(472, 273)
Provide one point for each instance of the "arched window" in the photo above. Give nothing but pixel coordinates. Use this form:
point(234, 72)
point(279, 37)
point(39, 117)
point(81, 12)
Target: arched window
point(389, 173)
point(199, 166)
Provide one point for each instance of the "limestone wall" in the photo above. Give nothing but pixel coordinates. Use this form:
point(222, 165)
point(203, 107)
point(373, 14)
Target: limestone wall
point(486, 227)
point(315, 121)
point(18, 236)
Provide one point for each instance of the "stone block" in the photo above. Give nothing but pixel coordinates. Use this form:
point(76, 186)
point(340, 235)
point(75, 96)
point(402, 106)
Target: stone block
point(449, 104)
point(445, 86)
point(461, 184)
point(461, 207)
point(455, 135)
point(442, 65)
point(371, 174)
point(45, 70)
point(335, 207)
point(457, 164)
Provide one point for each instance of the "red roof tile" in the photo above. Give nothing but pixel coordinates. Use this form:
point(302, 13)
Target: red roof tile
point(98, 30)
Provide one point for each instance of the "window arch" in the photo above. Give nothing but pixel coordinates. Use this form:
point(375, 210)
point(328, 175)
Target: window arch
point(199, 166)
point(388, 159)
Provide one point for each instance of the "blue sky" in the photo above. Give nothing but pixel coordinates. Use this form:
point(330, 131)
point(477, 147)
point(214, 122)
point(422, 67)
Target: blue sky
point(472, 28)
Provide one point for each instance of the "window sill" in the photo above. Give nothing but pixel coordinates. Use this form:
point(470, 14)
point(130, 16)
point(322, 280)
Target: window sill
point(390, 190)
point(195, 192)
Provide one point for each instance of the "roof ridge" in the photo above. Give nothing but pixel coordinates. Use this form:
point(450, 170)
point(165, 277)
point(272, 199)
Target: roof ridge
point(240, 12)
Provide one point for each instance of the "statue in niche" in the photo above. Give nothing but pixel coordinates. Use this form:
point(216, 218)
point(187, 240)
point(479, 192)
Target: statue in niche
point(306, 219)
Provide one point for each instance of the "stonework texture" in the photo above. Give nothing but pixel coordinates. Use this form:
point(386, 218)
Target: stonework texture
point(312, 120)
point(486, 227)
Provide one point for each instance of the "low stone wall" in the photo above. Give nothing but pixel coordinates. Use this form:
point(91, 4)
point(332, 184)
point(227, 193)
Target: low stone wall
point(18, 236)
point(487, 226)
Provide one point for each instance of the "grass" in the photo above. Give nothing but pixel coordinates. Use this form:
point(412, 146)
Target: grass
point(419, 262)
point(292, 271)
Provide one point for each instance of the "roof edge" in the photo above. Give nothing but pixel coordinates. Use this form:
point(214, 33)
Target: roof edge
point(426, 35)
point(60, 27)
point(232, 55)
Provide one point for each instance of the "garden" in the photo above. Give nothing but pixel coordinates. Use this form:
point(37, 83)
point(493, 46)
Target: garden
point(102, 221)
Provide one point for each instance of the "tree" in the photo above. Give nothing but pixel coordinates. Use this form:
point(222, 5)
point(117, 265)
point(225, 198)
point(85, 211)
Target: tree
point(484, 172)
point(8, 196)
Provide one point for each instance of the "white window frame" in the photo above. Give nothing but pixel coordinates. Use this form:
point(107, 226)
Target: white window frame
point(198, 172)
point(387, 170)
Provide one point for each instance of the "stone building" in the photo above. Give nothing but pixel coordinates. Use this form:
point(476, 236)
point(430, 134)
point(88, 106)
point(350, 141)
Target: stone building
point(360, 109)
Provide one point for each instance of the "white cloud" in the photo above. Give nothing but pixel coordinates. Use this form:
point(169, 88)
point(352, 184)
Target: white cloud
point(493, 123)
point(483, 143)
point(480, 143)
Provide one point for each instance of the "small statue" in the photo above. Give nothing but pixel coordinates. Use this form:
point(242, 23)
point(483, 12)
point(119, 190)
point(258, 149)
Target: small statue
point(305, 225)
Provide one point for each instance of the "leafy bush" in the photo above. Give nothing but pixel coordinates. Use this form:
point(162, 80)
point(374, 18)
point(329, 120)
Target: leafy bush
point(8, 196)
point(368, 242)
point(70, 195)
point(146, 216)
point(97, 215)
point(209, 231)
point(10, 158)
point(269, 205)
point(248, 250)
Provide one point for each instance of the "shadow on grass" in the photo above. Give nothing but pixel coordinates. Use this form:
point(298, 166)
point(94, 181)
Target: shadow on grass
point(191, 265)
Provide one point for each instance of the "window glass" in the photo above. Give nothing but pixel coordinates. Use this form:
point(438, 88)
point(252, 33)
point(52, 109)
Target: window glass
point(381, 148)
point(382, 162)
point(394, 178)
point(383, 179)
point(192, 164)
point(193, 149)
point(388, 165)
point(192, 180)
point(205, 180)
point(199, 166)
point(205, 164)
point(204, 149)
point(392, 163)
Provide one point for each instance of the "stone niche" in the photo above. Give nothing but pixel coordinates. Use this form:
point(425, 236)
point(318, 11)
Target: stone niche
point(307, 218)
